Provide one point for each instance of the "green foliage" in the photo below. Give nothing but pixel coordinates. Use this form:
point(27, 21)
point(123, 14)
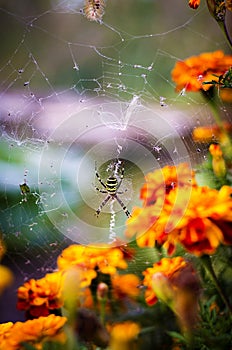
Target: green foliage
point(224, 80)
point(206, 177)
point(50, 346)
point(212, 333)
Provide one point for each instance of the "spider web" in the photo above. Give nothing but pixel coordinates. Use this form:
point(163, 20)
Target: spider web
point(75, 93)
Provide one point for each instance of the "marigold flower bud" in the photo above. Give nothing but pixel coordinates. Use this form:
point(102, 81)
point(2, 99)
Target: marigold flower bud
point(163, 289)
point(102, 291)
point(218, 162)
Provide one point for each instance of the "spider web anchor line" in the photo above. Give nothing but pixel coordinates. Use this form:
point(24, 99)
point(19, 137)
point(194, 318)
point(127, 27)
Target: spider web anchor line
point(119, 150)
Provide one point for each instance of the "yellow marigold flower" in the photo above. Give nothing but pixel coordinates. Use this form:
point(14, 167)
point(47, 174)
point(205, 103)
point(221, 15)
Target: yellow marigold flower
point(35, 332)
point(215, 133)
point(123, 335)
point(167, 267)
point(103, 258)
point(125, 286)
point(210, 133)
point(6, 278)
point(40, 297)
point(194, 4)
point(192, 72)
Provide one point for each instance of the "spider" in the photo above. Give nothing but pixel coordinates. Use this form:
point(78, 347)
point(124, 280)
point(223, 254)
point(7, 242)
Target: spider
point(111, 187)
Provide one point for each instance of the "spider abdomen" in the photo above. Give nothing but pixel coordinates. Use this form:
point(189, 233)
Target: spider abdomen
point(111, 188)
point(111, 185)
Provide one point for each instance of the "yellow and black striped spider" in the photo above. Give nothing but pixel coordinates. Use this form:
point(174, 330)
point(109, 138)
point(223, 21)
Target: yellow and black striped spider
point(111, 187)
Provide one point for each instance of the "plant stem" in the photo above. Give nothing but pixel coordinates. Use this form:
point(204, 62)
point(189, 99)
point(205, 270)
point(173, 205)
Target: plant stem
point(210, 97)
point(206, 261)
point(218, 11)
point(223, 27)
point(102, 311)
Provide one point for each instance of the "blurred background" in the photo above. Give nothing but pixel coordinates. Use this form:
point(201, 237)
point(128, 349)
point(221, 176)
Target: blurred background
point(76, 94)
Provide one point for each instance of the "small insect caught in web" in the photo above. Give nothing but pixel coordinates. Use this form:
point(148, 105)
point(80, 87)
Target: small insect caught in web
point(94, 10)
point(25, 190)
point(111, 186)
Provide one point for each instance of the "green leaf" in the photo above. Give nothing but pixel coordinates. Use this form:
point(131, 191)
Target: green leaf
point(177, 335)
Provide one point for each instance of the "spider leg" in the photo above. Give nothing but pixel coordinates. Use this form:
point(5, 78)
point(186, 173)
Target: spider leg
point(121, 192)
point(126, 211)
point(99, 178)
point(106, 200)
point(99, 190)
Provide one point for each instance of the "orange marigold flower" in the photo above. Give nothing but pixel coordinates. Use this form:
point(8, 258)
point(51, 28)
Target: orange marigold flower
point(226, 94)
point(35, 332)
point(215, 150)
point(199, 229)
point(143, 223)
point(86, 299)
point(5, 329)
point(128, 252)
point(125, 286)
point(192, 218)
point(229, 5)
point(200, 236)
point(41, 297)
point(149, 223)
point(194, 4)
point(191, 73)
point(103, 258)
point(167, 267)
point(160, 182)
